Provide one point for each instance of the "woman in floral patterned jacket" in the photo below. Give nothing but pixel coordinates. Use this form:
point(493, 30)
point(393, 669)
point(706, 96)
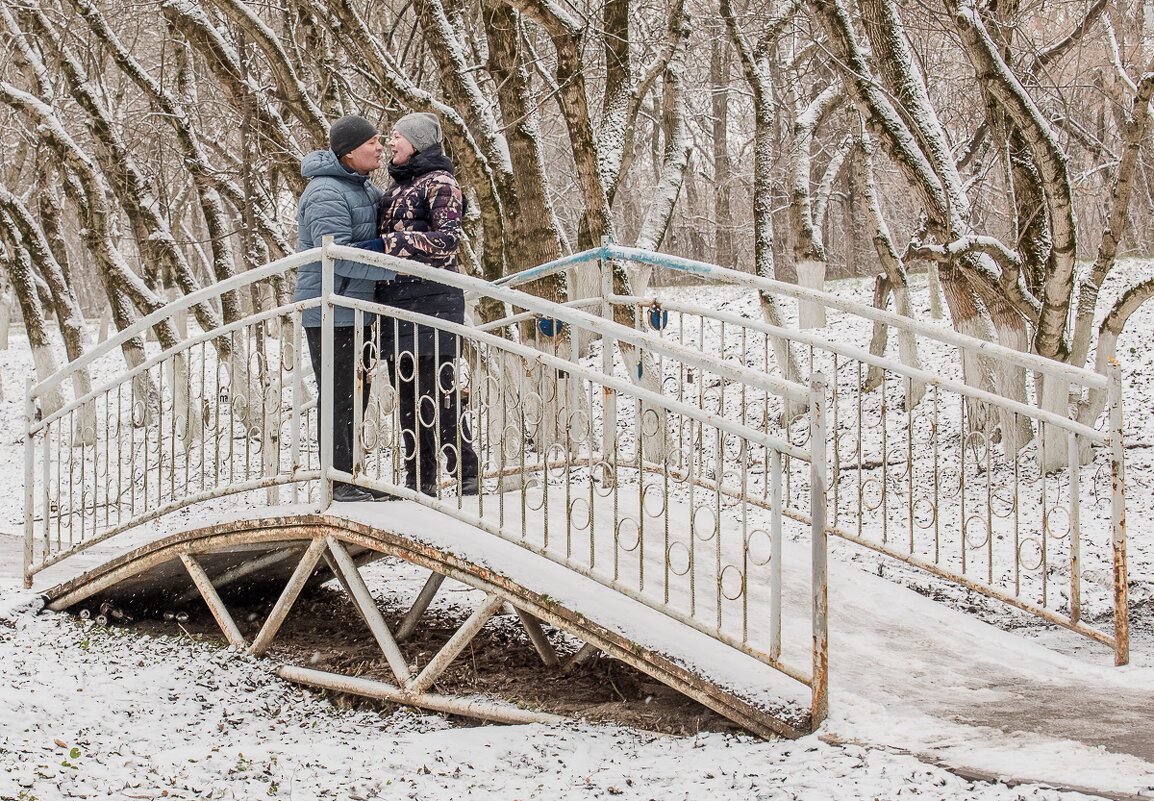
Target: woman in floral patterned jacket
point(420, 219)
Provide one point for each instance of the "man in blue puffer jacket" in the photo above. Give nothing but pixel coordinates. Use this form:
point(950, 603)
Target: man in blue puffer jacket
point(341, 201)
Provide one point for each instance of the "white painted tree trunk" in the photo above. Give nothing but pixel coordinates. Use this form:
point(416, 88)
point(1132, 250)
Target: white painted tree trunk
point(5, 319)
point(105, 323)
point(811, 275)
point(45, 361)
point(935, 289)
point(84, 428)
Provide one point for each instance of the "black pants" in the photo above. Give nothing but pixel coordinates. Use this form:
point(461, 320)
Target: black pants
point(344, 364)
point(431, 422)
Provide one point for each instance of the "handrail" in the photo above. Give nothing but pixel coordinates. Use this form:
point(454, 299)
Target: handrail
point(179, 304)
point(1030, 361)
point(864, 356)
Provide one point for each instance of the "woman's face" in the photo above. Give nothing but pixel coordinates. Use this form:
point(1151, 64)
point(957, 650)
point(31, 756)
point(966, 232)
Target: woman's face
point(401, 147)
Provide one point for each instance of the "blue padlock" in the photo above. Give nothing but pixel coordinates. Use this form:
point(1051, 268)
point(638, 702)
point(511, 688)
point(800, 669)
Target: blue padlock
point(658, 317)
point(549, 326)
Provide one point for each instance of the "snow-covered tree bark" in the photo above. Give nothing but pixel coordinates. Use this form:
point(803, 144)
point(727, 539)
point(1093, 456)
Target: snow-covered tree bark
point(893, 282)
point(755, 66)
point(24, 232)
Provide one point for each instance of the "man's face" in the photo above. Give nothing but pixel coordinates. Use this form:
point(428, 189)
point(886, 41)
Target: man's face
point(402, 148)
point(367, 157)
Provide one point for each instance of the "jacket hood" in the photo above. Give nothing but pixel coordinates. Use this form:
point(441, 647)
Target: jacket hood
point(325, 162)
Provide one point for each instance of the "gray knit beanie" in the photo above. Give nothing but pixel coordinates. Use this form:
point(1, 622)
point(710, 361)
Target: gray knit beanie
point(349, 133)
point(422, 129)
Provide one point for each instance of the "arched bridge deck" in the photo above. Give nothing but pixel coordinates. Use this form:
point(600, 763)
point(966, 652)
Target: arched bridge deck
point(659, 478)
point(264, 554)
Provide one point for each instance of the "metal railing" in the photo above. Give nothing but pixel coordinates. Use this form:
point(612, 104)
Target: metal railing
point(974, 473)
point(666, 494)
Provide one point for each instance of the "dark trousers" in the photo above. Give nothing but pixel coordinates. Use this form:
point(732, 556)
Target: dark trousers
point(343, 367)
point(431, 423)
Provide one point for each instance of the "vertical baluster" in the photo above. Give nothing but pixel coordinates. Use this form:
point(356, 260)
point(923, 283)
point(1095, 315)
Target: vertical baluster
point(1118, 516)
point(775, 537)
point(29, 482)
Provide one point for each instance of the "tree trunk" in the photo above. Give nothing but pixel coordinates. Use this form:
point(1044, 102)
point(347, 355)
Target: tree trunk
point(18, 266)
point(725, 249)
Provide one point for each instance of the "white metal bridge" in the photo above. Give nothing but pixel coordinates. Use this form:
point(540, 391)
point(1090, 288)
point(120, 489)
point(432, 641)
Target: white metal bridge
point(653, 481)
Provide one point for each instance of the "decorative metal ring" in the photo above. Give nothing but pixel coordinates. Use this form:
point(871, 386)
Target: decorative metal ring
point(677, 558)
point(677, 466)
point(256, 435)
point(288, 356)
point(1002, 503)
point(924, 511)
point(387, 398)
point(239, 407)
point(628, 534)
point(799, 432)
point(580, 520)
point(272, 399)
point(578, 427)
point(490, 394)
point(754, 414)
point(978, 442)
point(180, 424)
point(755, 541)
point(426, 404)
point(729, 576)
point(556, 453)
point(698, 528)
point(604, 478)
point(449, 452)
point(976, 523)
point(651, 422)
point(1030, 464)
point(872, 486)
point(1058, 523)
point(511, 442)
point(847, 437)
point(369, 435)
point(255, 364)
point(530, 484)
point(930, 428)
point(371, 356)
point(653, 491)
point(447, 369)
point(871, 415)
point(139, 413)
point(549, 387)
point(1036, 546)
point(467, 429)
point(711, 400)
point(406, 367)
point(532, 410)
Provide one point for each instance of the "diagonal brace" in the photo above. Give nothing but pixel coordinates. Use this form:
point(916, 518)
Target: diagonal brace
point(212, 598)
point(363, 600)
point(424, 598)
point(537, 635)
point(455, 645)
point(288, 597)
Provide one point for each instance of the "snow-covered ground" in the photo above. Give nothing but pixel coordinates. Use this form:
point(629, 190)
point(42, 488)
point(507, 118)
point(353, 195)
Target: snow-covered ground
point(103, 713)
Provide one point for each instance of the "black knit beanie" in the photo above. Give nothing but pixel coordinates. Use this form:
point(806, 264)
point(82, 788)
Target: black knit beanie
point(349, 133)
